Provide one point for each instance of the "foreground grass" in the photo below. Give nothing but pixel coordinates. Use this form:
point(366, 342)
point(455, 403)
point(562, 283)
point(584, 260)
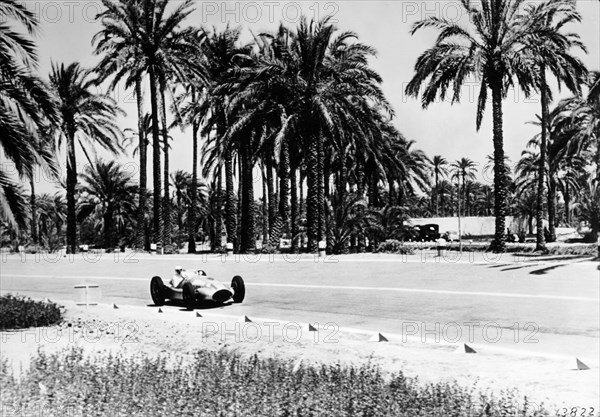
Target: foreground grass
point(226, 384)
point(21, 313)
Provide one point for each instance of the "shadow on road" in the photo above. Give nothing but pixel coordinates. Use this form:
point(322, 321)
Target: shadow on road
point(200, 306)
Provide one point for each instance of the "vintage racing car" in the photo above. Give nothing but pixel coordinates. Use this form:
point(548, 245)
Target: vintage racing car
point(198, 288)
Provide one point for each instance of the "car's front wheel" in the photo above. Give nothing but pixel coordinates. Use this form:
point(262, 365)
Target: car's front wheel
point(157, 291)
point(188, 296)
point(239, 289)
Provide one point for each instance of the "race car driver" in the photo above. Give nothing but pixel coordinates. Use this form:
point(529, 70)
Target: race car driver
point(178, 278)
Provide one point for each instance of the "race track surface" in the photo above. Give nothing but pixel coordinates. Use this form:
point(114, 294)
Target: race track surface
point(545, 307)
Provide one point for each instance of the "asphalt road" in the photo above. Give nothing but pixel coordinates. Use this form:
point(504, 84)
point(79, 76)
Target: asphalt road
point(544, 307)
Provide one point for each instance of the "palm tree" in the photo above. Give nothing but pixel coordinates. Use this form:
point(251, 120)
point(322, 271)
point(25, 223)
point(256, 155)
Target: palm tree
point(489, 49)
point(141, 31)
point(579, 119)
point(51, 215)
point(550, 49)
point(181, 181)
point(123, 58)
point(588, 207)
point(86, 117)
point(221, 50)
point(344, 220)
point(332, 85)
point(189, 111)
point(109, 192)
point(464, 170)
point(26, 108)
point(439, 165)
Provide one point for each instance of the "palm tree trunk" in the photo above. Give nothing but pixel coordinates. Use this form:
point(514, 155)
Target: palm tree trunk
point(567, 197)
point(240, 205)
point(192, 222)
point(167, 224)
point(156, 180)
point(301, 203)
point(343, 174)
point(437, 197)
point(179, 219)
point(230, 211)
point(294, 209)
point(539, 216)
point(218, 215)
point(140, 230)
point(458, 211)
point(284, 191)
point(33, 203)
point(552, 208)
point(499, 244)
point(322, 232)
point(272, 199)
point(248, 243)
point(443, 204)
point(71, 185)
point(373, 189)
point(108, 216)
point(360, 180)
point(265, 209)
point(326, 179)
point(312, 197)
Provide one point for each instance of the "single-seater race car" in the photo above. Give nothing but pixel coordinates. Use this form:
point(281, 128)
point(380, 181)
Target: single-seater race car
point(197, 288)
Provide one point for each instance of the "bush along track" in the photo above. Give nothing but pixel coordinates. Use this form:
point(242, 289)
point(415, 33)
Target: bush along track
point(225, 383)
point(22, 313)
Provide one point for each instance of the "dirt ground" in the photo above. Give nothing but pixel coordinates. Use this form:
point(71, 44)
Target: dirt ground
point(130, 330)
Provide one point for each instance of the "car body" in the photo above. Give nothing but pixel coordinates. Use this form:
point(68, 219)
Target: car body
point(428, 232)
point(451, 236)
point(197, 288)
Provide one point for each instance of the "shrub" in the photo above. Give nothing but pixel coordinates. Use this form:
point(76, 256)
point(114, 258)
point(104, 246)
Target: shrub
point(226, 384)
point(395, 246)
point(21, 313)
point(170, 250)
point(582, 250)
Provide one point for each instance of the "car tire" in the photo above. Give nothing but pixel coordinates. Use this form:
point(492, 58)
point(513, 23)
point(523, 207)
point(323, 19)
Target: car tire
point(157, 291)
point(188, 296)
point(239, 289)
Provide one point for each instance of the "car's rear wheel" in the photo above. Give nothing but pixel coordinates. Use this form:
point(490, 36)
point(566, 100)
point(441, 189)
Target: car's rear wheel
point(239, 289)
point(157, 291)
point(188, 295)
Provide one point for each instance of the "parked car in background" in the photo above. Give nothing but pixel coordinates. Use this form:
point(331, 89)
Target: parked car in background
point(429, 232)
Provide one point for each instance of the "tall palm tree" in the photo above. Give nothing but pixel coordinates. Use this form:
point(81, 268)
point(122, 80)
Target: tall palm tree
point(489, 48)
point(439, 165)
point(26, 109)
point(188, 110)
point(109, 191)
point(147, 38)
point(221, 50)
point(122, 58)
point(550, 49)
point(463, 170)
point(333, 84)
point(87, 117)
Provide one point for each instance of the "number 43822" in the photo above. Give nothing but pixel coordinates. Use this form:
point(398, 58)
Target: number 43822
point(575, 412)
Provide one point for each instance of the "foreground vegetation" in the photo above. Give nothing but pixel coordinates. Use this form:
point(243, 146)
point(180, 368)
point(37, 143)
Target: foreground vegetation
point(22, 313)
point(224, 384)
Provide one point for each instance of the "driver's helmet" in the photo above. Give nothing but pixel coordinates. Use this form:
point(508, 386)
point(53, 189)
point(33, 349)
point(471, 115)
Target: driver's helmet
point(178, 269)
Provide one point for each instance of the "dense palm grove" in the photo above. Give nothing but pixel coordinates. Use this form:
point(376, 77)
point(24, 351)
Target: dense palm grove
point(299, 112)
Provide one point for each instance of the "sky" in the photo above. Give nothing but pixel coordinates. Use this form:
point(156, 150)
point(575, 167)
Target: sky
point(67, 28)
